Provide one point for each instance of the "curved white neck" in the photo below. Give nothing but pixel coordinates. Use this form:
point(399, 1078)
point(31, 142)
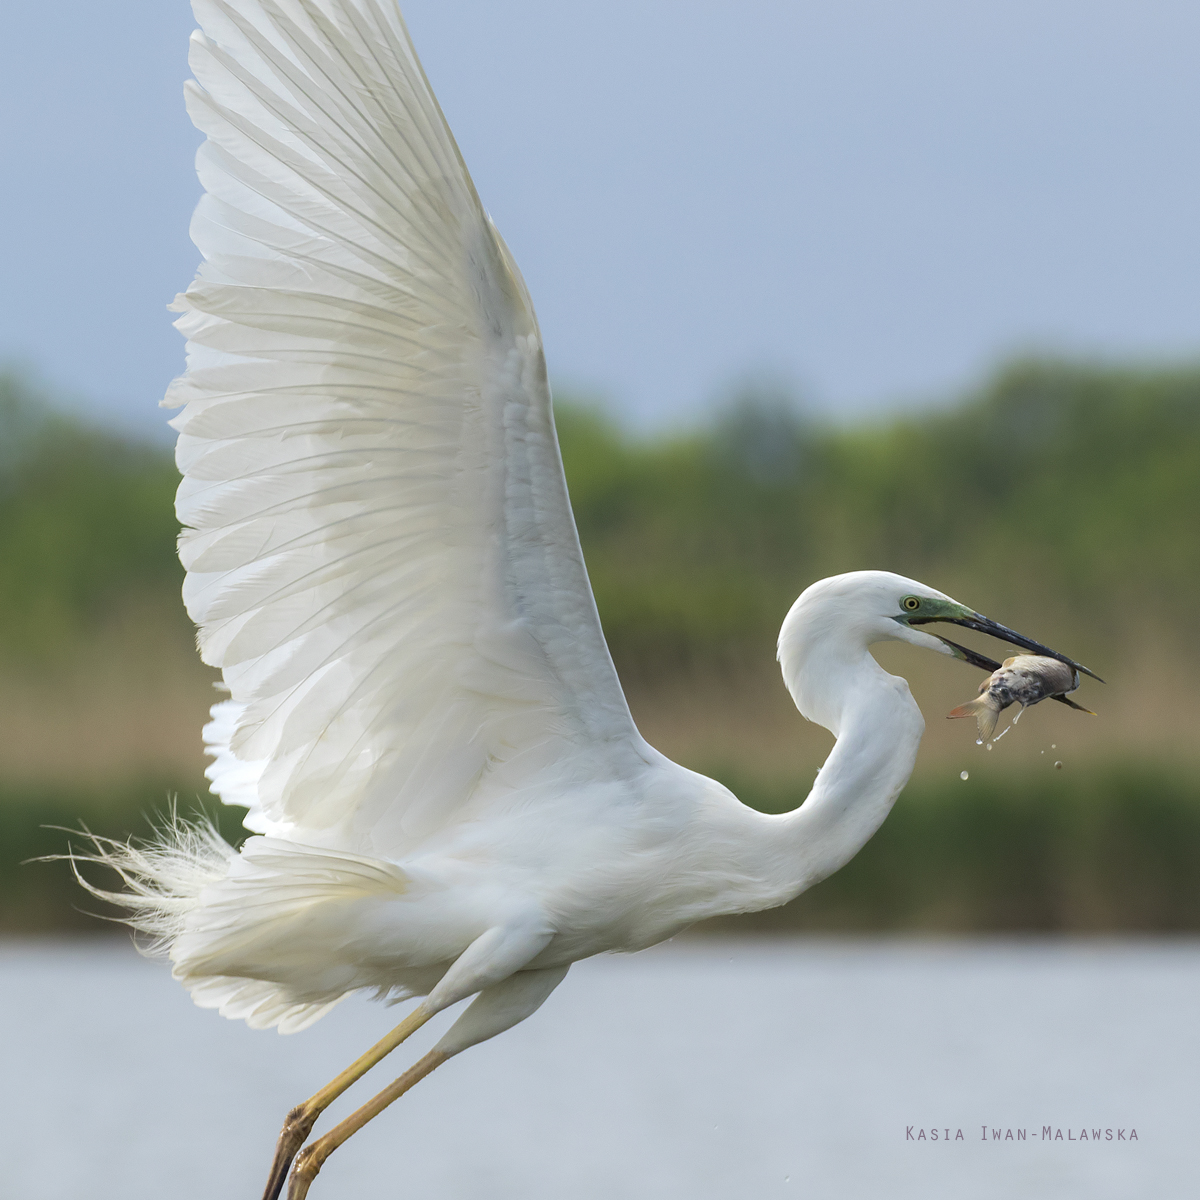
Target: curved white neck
point(878, 728)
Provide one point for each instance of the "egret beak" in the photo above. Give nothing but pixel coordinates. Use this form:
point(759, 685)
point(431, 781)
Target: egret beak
point(982, 624)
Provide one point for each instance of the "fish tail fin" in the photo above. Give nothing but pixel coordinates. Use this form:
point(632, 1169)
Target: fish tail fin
point(986, 715)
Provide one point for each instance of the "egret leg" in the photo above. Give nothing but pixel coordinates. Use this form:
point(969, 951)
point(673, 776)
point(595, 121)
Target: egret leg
point(491, 1012)
point(299, 1122)
point(312, 1157)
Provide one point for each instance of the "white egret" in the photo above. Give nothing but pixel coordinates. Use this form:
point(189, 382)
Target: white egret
point(448, 794)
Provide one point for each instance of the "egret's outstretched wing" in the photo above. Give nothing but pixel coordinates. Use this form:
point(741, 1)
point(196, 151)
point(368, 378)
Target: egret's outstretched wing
point(380, 551)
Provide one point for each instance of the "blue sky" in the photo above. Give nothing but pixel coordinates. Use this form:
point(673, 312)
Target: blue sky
point(875, 200)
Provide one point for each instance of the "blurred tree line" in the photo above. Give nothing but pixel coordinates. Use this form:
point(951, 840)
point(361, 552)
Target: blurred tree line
point(86, 520)
point(1078, 485)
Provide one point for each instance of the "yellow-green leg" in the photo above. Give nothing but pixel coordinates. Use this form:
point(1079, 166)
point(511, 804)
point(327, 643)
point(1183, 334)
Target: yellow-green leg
point(299, 1122)
point(312, 1157)
point(494, 1010)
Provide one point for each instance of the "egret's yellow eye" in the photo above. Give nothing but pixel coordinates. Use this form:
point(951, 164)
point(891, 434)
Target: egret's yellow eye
point(911, 603)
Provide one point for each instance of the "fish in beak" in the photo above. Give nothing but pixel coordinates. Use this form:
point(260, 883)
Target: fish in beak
point(1025, 679)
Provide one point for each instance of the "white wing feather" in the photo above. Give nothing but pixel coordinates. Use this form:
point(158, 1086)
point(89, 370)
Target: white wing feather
point(380, 550)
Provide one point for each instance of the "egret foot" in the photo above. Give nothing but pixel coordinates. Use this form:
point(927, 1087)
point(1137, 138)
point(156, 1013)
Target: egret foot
point(299, 1122)
point(297, 1125)
point(311, 1159)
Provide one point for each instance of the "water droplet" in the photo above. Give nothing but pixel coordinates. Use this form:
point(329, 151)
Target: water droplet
point(1041, 752)
point(964, 774)
point(1004, 731)
point(1053, 745)
point(787, 1179)
point(989, 745)
point(1018, 716)
point(1058, 766)
point(979, 741)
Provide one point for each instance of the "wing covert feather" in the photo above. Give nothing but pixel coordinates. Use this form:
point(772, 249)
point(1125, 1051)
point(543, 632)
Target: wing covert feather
point(380, 550)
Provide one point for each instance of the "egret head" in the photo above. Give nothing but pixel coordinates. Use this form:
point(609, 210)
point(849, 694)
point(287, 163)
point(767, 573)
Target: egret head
point(878, 606)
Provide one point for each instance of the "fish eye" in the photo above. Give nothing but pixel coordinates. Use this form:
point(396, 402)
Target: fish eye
point(911, 603)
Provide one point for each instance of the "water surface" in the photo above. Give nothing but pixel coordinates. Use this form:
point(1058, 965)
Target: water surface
point(698, 1070)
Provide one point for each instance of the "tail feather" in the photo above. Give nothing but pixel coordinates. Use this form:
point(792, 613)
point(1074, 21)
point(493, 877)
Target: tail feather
point(163, 877)
point(260, 1004)
point(240, 927)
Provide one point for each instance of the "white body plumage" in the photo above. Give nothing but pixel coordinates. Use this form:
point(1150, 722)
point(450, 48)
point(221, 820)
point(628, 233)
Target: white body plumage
point(559, 866)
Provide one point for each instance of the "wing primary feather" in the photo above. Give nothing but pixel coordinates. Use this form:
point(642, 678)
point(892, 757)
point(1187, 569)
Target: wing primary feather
point(307, 131)
point(381, 554)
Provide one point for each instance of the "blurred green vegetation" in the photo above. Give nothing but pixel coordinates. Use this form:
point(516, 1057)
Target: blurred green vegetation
point(1060, 490)
point(1101, 850)
point(86, 520)
point(1069, 852)
point(1074, 485)
point(1078, 485)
